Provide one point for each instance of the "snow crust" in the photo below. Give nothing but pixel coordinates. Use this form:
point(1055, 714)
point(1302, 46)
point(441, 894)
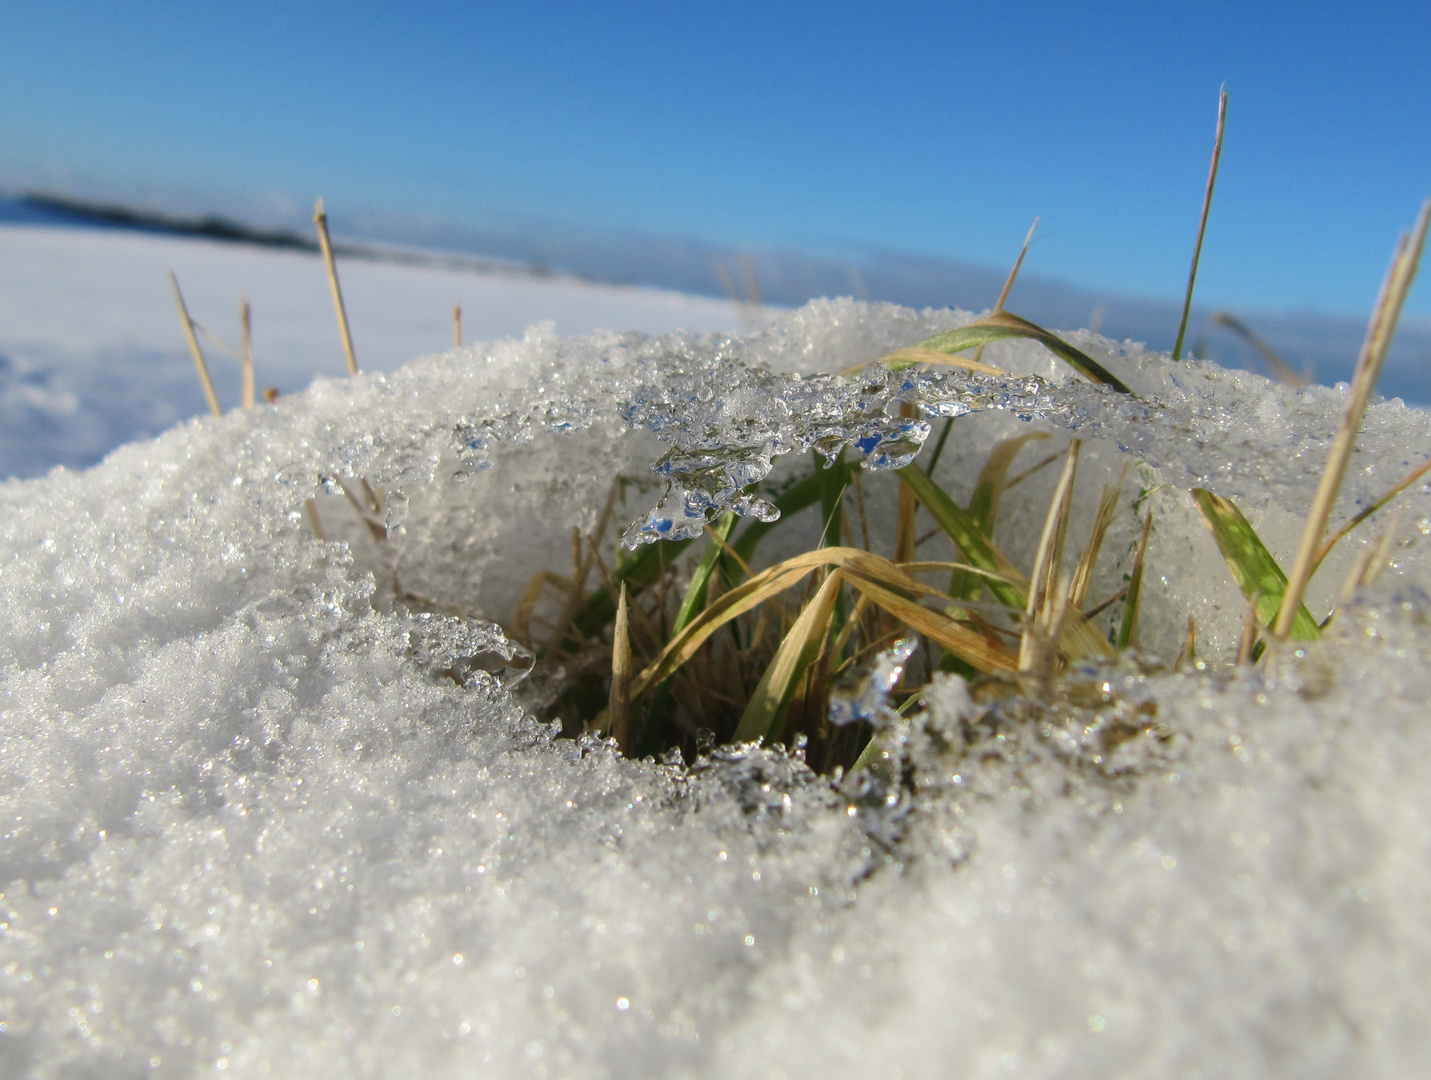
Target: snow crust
point(258, 819)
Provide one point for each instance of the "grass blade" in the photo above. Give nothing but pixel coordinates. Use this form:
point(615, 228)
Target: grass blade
point(618, 705)
point(1379, 333)
point(834, 478)
point(198, 354)
point(1252, 565)
point(1396, 489)
point(1083, 576)
point(974, 648)
point(695, 595)
point(1202, 222)
point(964, 530)
point(1128, 629)
point(1005, 324)
point(320, 222)
point(799, 649)
point(1279, 367)
point(1044, 579)
point(989, 488)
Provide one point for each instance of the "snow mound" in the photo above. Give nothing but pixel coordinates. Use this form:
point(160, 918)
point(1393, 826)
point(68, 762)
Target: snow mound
point(259, 818)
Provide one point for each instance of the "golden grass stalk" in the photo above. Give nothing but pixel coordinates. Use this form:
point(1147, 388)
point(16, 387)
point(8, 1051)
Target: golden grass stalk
point(246, 332)
point(1396, 489)
point(798, 650)
point(1379, 333)
point(199, 364)
point(1371, 562)
point(457, 326)
point(618, 705)
point(1047, 557)
point(978, 356)
point(320, 220)
point(1202, 221)
point(1014, 273)
point(1280, 368)
point(1083, 575)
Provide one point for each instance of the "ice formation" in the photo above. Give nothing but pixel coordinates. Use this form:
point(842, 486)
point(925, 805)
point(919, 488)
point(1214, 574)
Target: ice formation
point(260, 820)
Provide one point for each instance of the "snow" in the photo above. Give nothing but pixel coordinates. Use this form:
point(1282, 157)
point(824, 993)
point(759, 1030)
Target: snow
point(92, 354)
point(250, 827)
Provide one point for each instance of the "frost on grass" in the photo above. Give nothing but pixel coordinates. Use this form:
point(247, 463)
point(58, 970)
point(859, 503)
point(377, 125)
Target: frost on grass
point(259, 818)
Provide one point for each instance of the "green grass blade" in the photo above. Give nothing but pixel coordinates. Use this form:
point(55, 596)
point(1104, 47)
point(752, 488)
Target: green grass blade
point(1132, 606)
point(1004, 324)
point(964, 530)
point(833, 481)
point(804, 494)
point(695, 597)
point(801, 647)
point(1252, 565)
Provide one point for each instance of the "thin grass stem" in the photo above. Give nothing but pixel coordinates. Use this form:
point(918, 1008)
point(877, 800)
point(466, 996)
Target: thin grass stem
point(1373, 354)
point(1202, 221)
point(199, 364)
point(320, 220)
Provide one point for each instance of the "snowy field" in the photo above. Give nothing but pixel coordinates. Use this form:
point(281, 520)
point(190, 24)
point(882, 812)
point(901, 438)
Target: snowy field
point(92, 354)
point(250, 830)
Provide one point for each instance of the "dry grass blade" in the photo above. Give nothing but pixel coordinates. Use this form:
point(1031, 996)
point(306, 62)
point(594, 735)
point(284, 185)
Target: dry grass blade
point(1369, 565)
point(1202, 222)
point(1373, 354)
point(1251, 563)
point(1005, 324)
point(1247, 640)
point(1038, 645)
point(320, 221)
point(457, 326)
point(310, 507)
point(198, 354)
point(1083, 575)
point(980, 651)
point(964, 531)
point(1400, 486)
point(531, 597)
point(618, 705)
point(798, 650)
point(993, 477)
point(1014, 273)
point(1128, 630)
point(1188, 653)
point(246, 332)
point(1280, 368)
point(745, 596)
point(1048, 556)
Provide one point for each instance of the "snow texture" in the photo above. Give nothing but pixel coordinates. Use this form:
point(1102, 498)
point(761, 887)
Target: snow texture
point(258, 819)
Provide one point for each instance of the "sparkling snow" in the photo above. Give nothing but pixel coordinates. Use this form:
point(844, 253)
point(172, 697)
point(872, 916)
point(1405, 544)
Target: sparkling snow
point(251, 827)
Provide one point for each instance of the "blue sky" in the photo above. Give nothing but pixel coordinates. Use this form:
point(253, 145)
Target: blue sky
point(937, 129)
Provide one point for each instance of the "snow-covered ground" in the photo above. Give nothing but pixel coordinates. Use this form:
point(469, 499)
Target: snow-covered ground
point(248, 829)
point(92, 354)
